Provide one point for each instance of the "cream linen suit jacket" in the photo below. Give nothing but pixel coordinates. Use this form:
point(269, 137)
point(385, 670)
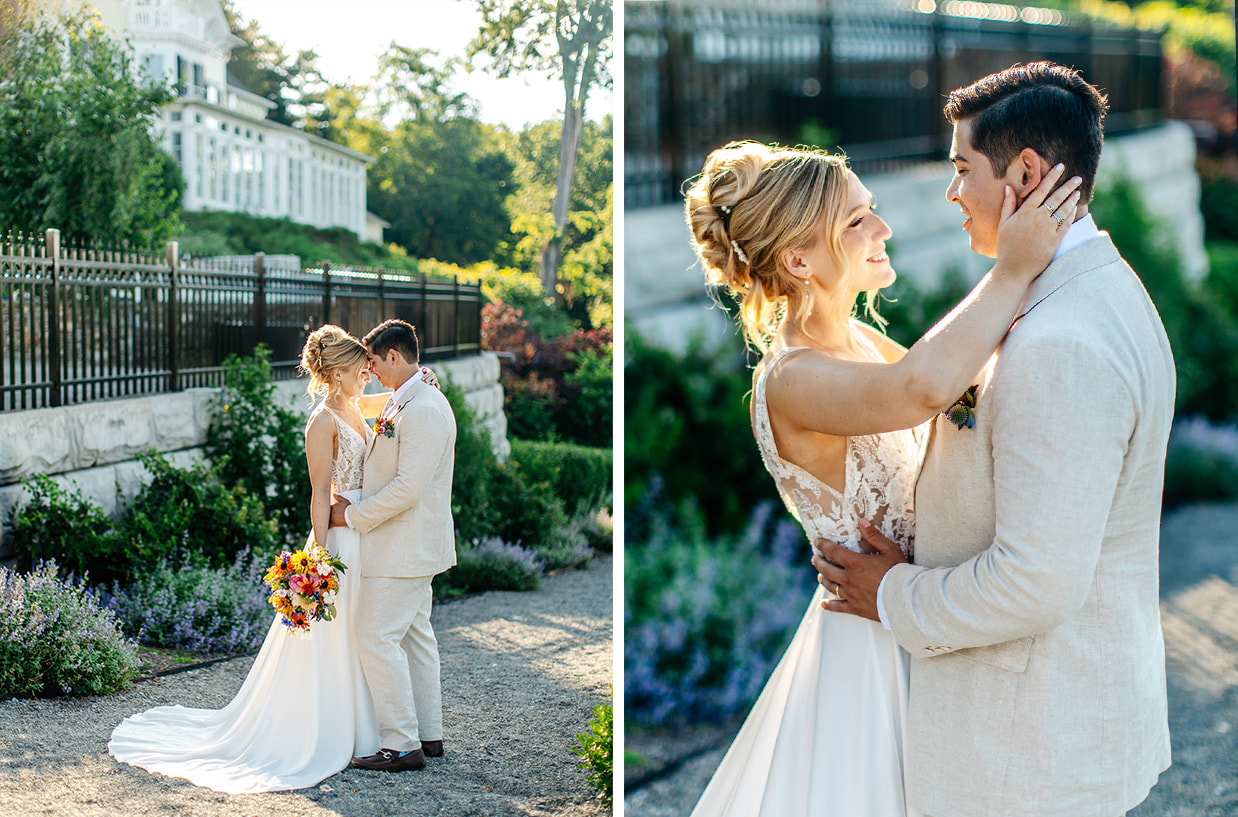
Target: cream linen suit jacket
point(404, 516)
point(1031, 614)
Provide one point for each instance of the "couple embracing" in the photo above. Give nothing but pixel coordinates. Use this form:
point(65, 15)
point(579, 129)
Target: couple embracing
point(984, 506)
point(363, 688)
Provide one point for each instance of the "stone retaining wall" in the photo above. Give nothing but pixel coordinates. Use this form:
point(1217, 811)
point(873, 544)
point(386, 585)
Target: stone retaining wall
point(95, 444)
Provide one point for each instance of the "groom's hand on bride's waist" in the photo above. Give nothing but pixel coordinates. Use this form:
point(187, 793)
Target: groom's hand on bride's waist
point(852, 578)
point(338, 520)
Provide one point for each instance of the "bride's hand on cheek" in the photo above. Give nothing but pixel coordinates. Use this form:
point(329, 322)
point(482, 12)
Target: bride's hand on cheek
point(1028, 234)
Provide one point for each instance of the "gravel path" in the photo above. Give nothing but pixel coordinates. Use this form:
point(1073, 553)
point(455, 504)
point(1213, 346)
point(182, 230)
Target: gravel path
point(1199, 614)
point(521, 675)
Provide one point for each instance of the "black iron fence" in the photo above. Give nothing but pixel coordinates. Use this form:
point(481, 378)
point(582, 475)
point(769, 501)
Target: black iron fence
point(83, 325)
point(870, 76)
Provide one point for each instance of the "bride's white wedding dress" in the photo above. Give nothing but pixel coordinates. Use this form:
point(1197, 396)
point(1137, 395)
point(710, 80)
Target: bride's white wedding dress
point(825, 735)
point(303, 711)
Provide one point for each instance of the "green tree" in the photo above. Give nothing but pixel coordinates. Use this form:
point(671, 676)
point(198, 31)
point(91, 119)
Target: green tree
point(586, 272)
point(571, 40)
point(291, 81)
point(440, 177)
point(76, 150)
point(442, 185)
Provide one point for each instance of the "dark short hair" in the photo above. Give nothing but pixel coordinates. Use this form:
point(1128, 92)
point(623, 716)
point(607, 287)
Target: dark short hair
point(1043, 106)
point(394, 334)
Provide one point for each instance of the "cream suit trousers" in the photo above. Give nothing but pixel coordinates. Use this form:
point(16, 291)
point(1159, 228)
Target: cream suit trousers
point(400, 657)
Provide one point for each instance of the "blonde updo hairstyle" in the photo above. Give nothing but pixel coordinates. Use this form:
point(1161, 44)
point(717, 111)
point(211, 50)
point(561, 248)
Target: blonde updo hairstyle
point(751, 203)
point(328, 349)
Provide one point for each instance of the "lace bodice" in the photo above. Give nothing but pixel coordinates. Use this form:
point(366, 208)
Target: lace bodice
point(349, 459)
point(880, 477)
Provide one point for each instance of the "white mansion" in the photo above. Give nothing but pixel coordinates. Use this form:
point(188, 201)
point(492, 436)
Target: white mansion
point(232, 157)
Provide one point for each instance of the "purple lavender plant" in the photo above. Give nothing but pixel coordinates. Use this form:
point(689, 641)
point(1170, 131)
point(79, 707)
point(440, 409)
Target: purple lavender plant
point(55, 639)
point(188, 606)
point(706, 621)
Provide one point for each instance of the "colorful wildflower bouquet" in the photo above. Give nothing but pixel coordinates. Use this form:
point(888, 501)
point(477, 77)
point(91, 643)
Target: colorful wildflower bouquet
point(303, 585)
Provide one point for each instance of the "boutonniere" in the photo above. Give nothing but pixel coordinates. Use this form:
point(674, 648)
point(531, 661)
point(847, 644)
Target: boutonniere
point(384, 426)
point(963, 412)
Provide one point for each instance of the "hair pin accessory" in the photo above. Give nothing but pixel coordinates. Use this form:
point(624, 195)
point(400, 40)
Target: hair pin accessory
point(738, 252)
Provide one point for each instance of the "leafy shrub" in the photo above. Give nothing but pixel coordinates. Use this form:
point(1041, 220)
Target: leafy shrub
point(1201, 462)
point(1203, 336)
point(526, 512)
point(258, 444)
point(597, 751)
point(184, 604)
point(579, 475)
point(54, 638)
point(586, 411)
point(60, 523)
point(471, 507)
point(1218, 202)
point(490, 564)
point(686, 424)
point(531, 404)
point(705, 621)
point(188, 508)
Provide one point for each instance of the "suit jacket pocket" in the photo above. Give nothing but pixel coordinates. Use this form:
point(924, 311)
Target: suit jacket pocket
point(1011, 656)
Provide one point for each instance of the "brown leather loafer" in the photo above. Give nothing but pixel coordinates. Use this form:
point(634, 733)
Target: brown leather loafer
point(389, 760)
point(432, 748)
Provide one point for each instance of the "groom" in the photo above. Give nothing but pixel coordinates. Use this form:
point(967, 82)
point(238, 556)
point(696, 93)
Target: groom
point(407, 537)
point(1031, 614)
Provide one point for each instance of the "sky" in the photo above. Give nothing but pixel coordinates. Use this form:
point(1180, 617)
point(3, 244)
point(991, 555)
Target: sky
point(348, 45)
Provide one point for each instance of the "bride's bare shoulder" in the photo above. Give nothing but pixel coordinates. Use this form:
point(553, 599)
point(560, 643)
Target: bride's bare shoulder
point(321, 426)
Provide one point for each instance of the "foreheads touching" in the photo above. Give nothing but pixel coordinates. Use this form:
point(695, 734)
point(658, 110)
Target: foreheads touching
point(393, 335)
point(1046, 107)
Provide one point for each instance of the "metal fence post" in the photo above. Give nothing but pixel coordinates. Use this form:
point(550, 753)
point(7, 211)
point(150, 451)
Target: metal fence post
point(260, 299)
point(455, 316)
point(52, 248)
point(421, 324)
point(382, 303)
point(174, 317)
point(326, 292)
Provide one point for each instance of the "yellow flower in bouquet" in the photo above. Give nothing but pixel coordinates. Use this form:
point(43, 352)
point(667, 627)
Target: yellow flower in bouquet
point(303, 585)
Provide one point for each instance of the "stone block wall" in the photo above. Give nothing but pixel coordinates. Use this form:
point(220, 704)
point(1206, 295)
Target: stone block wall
point(95, 444)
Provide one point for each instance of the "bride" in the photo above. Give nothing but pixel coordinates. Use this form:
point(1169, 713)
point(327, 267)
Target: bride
point(304, 710)
point(792, 233)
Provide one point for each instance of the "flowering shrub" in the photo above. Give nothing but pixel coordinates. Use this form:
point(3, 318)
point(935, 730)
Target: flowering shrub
point(490, 564)
point(706, 621)
point(556, 387)
point(566, 548)
point(188, 605)
point(54, 638)
point(1201, 462)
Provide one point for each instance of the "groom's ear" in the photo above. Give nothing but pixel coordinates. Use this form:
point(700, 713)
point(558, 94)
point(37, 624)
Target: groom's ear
point(1026, 172)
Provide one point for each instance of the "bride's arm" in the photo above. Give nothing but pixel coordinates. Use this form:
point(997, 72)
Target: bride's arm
point(372, 404)
point(319, 452)
point(821, 393)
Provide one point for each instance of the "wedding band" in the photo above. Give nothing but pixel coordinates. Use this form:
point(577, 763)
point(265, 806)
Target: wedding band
point(838, 590)
point(1059, 219)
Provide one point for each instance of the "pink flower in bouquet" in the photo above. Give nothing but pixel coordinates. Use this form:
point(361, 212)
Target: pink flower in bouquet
point(304, 585)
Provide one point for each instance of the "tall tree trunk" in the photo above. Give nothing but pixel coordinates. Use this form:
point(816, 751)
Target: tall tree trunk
point(569, 148)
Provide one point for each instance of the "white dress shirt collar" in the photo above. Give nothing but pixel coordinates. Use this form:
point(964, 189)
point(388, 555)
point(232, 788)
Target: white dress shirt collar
point(1082, 230)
